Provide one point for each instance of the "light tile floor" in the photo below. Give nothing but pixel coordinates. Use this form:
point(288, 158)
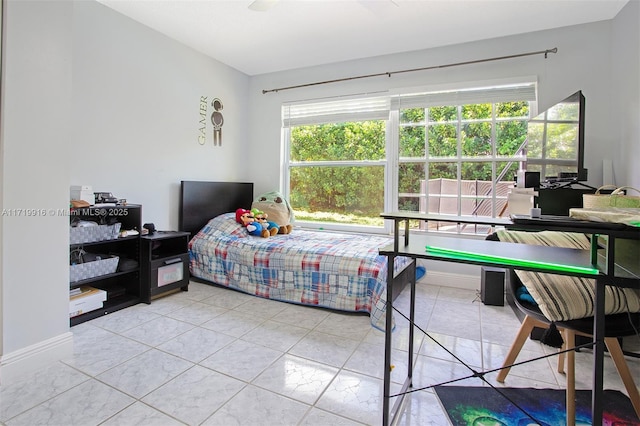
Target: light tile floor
point(212, 356)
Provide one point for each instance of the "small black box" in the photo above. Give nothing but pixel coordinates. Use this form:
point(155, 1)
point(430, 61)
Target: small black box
point(492, 286)
point(532, 180)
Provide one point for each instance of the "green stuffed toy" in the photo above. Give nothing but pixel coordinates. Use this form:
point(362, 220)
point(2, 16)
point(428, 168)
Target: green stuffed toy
point(277, 209)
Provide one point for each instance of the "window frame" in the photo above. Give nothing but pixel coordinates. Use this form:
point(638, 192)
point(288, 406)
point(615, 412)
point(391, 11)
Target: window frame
point(286, 176)
point(392, 160)
point(460, 159)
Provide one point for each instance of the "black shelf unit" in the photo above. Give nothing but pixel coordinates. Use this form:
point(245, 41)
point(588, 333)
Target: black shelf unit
point(123, 288)
point(165, 263)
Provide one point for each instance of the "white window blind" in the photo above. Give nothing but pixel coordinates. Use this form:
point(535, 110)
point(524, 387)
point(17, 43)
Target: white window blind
point(335, 111)
point(482, 95)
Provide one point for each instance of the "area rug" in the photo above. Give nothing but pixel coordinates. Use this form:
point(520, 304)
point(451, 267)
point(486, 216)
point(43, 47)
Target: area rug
point(484, 406)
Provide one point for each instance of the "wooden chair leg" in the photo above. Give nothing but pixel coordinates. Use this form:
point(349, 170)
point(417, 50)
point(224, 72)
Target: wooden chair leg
point(561, 355)
point(522, 336)
point(570, 343)
point(623, 370)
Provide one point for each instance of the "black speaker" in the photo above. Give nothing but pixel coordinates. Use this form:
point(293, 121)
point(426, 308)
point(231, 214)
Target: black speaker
point(492, 286)
point(532, 180)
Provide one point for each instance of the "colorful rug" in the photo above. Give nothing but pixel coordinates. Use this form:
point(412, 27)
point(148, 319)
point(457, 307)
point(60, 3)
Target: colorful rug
point(483, 406)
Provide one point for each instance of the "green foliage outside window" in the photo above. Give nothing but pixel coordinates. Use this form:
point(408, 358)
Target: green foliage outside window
point(334, 188)
point(363, 140)
point(432, 143)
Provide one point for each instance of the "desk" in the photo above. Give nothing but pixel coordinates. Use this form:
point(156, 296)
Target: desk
point(408, 216)
point(563, 261)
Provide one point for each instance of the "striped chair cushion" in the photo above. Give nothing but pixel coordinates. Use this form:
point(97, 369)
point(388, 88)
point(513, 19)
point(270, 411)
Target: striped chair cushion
point(562, 297)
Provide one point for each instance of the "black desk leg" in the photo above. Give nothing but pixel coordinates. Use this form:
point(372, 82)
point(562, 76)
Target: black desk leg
point(396, 236)
point(598, 351)
point(412, 321)
point(387, 340)
point(390, 413)
point(406, 232)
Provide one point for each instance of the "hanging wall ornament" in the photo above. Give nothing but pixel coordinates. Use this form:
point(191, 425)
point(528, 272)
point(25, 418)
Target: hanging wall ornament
point(217, 120)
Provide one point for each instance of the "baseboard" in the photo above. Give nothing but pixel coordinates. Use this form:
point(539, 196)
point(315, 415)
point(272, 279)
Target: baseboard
point(26, 360)
point(447, 279)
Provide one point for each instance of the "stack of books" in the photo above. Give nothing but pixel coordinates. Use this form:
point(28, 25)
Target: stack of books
point(85, 299)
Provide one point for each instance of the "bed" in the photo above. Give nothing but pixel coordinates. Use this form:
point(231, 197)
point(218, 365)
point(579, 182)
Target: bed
point(340, 271)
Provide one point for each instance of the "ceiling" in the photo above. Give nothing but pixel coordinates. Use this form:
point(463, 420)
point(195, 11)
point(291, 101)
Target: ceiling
point(293, 34)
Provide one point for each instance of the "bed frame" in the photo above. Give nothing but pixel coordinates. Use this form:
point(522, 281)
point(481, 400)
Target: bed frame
point(202, 201)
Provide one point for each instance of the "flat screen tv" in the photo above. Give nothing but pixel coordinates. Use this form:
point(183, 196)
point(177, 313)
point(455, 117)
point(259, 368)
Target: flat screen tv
point(555, 142)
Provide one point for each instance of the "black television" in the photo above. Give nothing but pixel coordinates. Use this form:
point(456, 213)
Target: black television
point(555, 142)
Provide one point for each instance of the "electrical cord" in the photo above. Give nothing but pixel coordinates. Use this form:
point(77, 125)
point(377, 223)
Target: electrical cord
point(77, 256)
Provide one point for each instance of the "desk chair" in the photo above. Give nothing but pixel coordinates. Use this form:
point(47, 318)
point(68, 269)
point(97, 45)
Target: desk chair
point(616, 326)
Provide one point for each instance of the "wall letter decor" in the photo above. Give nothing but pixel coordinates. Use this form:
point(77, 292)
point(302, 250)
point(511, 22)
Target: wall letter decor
point(202, 136)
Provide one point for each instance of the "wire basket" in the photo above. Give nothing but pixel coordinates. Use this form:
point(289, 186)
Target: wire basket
point(84, 271)
point(90, 234)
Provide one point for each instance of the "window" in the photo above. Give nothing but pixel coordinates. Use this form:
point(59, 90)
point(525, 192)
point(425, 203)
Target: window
point(450, 152)
point(458, 154)
point(337, 161)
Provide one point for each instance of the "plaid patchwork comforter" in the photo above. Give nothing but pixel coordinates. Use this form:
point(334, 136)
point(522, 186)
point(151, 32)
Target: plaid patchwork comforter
point(332, 270)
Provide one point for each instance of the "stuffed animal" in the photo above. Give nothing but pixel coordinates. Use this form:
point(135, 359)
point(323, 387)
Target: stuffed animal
point(277, 209)
point(246, 219)
point(263, 219)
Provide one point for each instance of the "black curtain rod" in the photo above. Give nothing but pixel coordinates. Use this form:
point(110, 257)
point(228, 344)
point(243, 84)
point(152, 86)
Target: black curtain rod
point(390, 73)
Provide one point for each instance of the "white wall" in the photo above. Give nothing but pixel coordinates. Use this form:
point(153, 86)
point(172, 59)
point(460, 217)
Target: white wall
point(584, 61)
point(35, 175)
point(625, 63)
point(136, 100)
point(92, 97)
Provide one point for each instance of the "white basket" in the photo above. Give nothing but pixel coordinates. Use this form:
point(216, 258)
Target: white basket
point(84, 271)
point(90, 234)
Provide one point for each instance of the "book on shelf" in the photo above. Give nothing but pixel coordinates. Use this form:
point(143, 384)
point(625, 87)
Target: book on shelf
point(85, 299)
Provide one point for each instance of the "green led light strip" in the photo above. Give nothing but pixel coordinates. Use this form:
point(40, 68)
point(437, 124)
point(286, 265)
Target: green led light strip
point(465, 255)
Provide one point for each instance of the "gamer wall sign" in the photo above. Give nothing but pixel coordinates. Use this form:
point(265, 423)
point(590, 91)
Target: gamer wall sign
point(210, 116)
